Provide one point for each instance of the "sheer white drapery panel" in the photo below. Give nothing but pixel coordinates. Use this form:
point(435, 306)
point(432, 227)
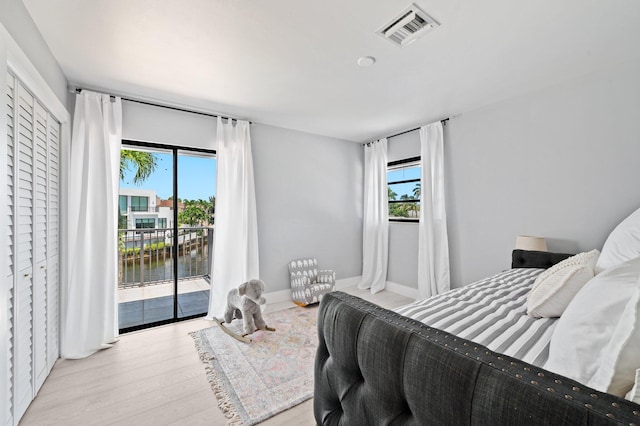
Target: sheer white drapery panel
point(433, 243)
point(89, 297)
point(375, 239)
point(235, 257)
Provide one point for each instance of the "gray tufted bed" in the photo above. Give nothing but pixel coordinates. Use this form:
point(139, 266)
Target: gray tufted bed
point(377, 367)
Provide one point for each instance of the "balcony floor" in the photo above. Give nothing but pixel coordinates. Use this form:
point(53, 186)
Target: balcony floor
point(143, 305)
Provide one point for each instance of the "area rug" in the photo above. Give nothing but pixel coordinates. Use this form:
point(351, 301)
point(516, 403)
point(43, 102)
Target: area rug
point(257, 380)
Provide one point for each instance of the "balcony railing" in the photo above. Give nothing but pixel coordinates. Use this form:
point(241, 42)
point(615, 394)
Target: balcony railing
point(146, 256)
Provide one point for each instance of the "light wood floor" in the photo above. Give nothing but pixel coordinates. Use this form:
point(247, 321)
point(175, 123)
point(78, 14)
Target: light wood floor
point(150, 377)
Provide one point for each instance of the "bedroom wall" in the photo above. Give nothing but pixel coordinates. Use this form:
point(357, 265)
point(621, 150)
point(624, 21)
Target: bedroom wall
point(560, 162)
point(309, 199)
point(18, 23)
point(308, 189)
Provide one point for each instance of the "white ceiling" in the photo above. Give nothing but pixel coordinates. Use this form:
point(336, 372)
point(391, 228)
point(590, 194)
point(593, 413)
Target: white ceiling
point(292, 63)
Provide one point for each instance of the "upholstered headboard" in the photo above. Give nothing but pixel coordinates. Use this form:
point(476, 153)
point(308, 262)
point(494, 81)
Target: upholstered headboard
point(536, 259)
point(376, 367)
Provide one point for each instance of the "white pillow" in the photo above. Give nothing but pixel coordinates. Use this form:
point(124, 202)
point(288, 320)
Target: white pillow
point(589, 322)
point(622, 244)
point(555, 288)
point(620, 359)
point(634, 393)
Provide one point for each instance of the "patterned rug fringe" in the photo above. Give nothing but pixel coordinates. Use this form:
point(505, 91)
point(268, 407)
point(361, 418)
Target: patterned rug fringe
point(224, 402)
point(253, 382)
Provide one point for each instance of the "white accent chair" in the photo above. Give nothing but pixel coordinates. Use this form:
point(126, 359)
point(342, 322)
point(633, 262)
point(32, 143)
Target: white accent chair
point(308, 284)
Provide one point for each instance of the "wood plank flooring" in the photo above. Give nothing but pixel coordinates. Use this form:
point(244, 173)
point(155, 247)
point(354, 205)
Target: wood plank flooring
point(151, 377)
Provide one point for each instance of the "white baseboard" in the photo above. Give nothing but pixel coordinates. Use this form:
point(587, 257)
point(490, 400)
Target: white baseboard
point(341, 284)
point(403, 290)
point(285, 295)
point(400, 289)
point(278, 296)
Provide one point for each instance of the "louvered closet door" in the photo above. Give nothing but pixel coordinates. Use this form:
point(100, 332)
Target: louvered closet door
point(10, 233)
point(53, 241)
point(33, 234)
point(40, 246)
point(24, 185)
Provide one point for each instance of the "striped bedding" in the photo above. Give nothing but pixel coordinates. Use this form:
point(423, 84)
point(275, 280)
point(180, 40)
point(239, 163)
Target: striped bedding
point(491, 312)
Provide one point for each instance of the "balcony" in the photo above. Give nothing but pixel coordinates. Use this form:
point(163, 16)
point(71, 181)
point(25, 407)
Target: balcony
point(148, 263)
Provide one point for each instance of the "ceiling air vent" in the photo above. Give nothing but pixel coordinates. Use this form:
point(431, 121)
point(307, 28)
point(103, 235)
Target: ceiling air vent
point(408, 26)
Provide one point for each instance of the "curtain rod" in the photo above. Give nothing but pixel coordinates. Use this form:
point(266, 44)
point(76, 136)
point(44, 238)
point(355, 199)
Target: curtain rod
point(443, 121)
point(80, 89)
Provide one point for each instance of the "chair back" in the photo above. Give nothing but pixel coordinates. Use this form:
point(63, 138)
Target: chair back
point(307, 267)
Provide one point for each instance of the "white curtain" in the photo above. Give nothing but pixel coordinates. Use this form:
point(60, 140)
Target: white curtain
point(235, 256)
point(89, 316)
point(375, 241)
point(433, 244)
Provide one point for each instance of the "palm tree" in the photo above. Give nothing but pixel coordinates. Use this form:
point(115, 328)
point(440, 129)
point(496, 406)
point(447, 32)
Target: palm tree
point(192, 214)
point(417, 191)
point(392, 195)
point(212, 209)
point(144, 162)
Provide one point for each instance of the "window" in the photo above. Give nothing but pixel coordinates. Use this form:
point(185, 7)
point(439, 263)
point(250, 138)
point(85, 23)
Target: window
point(403, 182)
point(162, 222)
point(123, 204)
point(139, 204)
point(145, 223)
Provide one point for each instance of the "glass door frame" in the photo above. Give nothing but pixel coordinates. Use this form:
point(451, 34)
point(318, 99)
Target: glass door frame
point(174, 149)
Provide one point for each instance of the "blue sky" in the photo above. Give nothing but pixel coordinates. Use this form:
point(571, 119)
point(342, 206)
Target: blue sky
point(405, 173)
point(196, 177)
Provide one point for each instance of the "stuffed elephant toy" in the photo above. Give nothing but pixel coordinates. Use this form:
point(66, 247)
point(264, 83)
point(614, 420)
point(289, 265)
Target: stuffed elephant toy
point(244, 302)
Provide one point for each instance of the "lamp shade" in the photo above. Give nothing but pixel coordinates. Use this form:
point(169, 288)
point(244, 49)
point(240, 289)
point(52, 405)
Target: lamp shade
point(528, 242)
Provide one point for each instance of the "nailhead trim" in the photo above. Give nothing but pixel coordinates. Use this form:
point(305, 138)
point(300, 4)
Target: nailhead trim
point(519, 376)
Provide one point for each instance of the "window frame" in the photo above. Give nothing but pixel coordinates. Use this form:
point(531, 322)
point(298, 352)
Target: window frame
point(136, 205)
point(396, 165)
point(145, 221)
point(175, 150)
point(121, 198)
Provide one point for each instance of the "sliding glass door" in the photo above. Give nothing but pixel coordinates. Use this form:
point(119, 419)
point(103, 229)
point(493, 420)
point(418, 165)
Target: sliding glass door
point(166, 215)
point(196, 215)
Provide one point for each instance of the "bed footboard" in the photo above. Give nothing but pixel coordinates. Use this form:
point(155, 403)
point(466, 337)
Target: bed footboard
point(376, 367)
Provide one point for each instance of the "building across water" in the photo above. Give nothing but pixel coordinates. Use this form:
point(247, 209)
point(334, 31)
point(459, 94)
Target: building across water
point(143, 209)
